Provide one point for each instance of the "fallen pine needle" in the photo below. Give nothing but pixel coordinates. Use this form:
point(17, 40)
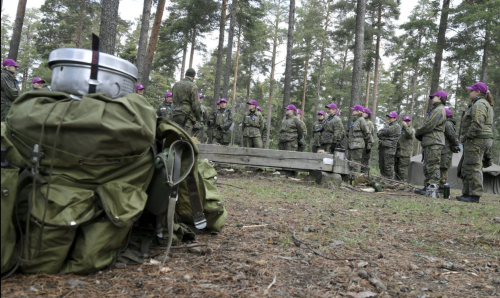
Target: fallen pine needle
point(271, 284)
point(255, 226)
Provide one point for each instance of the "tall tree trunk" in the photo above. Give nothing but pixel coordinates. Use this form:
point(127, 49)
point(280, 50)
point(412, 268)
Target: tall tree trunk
point(457, 92)
point(219, 55)
point(249, 79)
point(304, 85)
point(109, 25)
point(17, 30)
point(320, 66)
point(414, 88)
point(152, 41)
point(484, 66)
point(79, 29)
point(236, 68)
point(289, 52)
point(143, 39)
point(438, 58)
point(377, 59)
point(193, 44)
point(357, 71)
point(344, 65)
point(184, 54)
point(273, 67)
point(367, 89)
point(232, 23)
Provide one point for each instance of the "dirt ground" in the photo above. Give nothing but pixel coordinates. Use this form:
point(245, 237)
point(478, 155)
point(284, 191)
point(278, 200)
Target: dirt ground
point(288, 238)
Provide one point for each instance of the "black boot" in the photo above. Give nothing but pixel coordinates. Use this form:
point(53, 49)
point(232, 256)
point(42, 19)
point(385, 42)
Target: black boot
point(440, 190)
point(475, 199)
point(421, 191)
point(464, 198)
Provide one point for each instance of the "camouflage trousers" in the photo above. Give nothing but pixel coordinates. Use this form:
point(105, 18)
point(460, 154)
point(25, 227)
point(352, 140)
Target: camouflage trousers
point(5, 108)
point(401, 167)
point(445, 165)
point(326, 148)
point(432, 163)
point(255, 142)
point(314, 149)
point(366, 160)
point(356, 156)
point(386, 159)
point(186, 125)
point(472, 165)
point(220, 141)
point(288, 146)
point(200, 134)
point(302, 145)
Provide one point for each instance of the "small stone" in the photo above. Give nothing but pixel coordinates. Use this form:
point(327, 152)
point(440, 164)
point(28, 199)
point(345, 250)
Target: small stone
point(120, 265)
point(413, 267)
point(378, 284)
point(239, 225)
point(72, 283)
point(364, 226)
point(496, 281)
point(186, 277)
point(336, 243)
point(380, 256)
point(355, 280)
point(305, 229)
point(443, 281)
point(139, 269)
point(428, 271)
point(362, 264)
point(363, 274)
point(420, 272)
point(425, 289)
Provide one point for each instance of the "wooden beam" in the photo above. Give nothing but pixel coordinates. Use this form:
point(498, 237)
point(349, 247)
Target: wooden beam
point(273, 158)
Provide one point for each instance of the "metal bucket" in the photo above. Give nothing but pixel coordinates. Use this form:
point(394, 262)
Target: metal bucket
point(71, 73)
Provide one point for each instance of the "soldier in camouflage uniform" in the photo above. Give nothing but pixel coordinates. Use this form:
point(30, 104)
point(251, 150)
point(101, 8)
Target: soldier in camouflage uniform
point(211, 124)
point(139, 89)
point(222, 123)
point(10, 86)
point(367, 153)
point(291, 130)
point(199, 131)
point(317, 128)
point(264, 130)
point(387, 144)
point(359, 137)
point(37, 84)
point(252, 126)
point(302, 142)
point(186, 102)
point(333, 130)
point(431, 134)
point(404, 151)
point(477, 137)
point(165, 110)
point(451, 145)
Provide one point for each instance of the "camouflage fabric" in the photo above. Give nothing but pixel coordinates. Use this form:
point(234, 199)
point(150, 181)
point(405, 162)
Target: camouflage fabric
point(389, 135)
point(355, 155)
point(474, 151)
point(477, 121)
point(451, 145)
point(365, 160)
point(359, 135)
point(10, 91)
point(200, 129)
point(264, 131)
point(252, 127)
point(186, 104)
point(302, 142)
point(386, 160)
point(165, 111)
point(405, 143)
point(316, 138)
point(432, 162)
point(291, 131)
point(432, 131)
point(255, 142)
point(401, 167)
point(332, 131)
point(223, 121)
point(211, 126)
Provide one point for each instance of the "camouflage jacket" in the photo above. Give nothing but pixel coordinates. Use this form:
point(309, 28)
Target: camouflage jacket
point(405, 143)
point(291, 129)
point(222, 122)
point(432, 131)
point(10, 87)
point(450, 135)
point(477, 122)
point(165, 110)
point(186, 101)
point(317, 134)
point(304, 128)
point(359, 134)
point(371, 127)
point(253, 124)
point(389, 135)
point(203, 117)
point(333, 130)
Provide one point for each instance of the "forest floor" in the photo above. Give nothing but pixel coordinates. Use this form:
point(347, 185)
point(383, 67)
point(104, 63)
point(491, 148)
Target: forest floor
point(289, 238)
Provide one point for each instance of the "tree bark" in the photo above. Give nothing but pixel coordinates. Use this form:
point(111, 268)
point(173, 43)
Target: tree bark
point(184, 54)
point(143, 39)
point(377, 59)
point(249, 79)
point(109, 25)
point(367, 89)
point(219, 55)
point(80, 24)
point(344, 64)
point(193, 43)
point(289, 52)
point(357, 71)
point(441, 40)
point(484, 66)
point(414, 88)
point(152, 41)
point(320, 66)
point(232, 23)
point(273, 67)
point(236, 68)
point(17, 30)
point(304, 85)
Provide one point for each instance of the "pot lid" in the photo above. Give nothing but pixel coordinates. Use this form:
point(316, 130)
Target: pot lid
point(85, 57)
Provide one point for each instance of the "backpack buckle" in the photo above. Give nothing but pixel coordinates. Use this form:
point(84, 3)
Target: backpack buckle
point(199, 220)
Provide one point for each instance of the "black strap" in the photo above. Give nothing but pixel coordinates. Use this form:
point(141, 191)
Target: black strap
point(94, 66)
